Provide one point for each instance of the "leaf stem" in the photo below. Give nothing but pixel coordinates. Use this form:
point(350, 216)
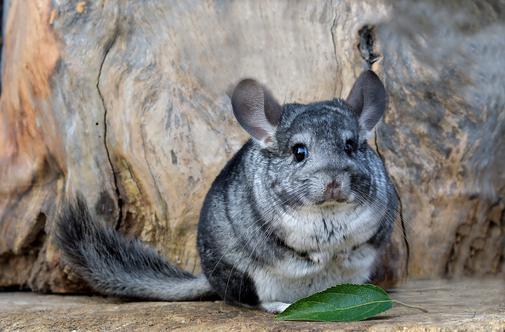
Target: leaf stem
point(410, 306)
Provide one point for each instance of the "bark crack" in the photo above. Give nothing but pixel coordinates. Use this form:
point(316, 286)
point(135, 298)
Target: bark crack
point(400, 211)
point(108, 47)
point(366, 48)
point(332, 32)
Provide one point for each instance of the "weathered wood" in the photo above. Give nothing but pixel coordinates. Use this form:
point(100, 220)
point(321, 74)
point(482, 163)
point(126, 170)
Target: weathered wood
point(470, 305)
point(126, 102)
point(443, 138)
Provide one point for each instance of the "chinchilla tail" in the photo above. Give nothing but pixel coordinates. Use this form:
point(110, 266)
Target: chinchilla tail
point(115, 265)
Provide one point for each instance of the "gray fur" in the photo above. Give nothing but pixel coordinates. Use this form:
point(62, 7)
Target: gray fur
point(115, 265)
point(269, 232)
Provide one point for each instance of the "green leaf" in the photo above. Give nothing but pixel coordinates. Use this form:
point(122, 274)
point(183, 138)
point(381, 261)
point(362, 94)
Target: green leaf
point(342, 303)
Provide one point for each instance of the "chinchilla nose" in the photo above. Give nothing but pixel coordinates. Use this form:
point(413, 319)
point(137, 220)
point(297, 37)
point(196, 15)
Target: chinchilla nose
point(335, 191)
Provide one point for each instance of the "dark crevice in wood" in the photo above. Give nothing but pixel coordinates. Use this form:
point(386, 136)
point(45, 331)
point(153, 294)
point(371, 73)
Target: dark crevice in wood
point(501, 260)
point(366, 45)
point(37, 236)
point(399, 211)
point(404, 232)
point(332, 33)
point(108, 47)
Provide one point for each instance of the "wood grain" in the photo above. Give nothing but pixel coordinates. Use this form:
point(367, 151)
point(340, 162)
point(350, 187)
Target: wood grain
point(466, 305)
point(127, 103)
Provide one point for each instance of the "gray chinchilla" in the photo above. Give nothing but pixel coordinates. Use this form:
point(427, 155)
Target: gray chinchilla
point(304, 205)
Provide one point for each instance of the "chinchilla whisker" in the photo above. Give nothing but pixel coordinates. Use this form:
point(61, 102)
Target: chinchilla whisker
point(253, 224)
point(268, 232)
point(393, 214)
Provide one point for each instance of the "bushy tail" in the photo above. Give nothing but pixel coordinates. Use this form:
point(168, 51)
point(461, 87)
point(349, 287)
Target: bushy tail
point(115, 265)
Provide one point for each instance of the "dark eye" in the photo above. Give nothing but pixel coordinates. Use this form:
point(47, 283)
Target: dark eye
point(300, 152)
point(350, 146)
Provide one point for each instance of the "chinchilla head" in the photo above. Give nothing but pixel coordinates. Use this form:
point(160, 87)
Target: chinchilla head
point(314, 154)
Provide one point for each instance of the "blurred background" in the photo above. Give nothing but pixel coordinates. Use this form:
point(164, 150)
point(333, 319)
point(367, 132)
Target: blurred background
point(126, 102)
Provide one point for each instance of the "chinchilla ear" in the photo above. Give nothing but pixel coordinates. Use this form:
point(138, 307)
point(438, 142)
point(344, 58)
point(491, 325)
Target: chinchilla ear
point(256, 110)
point(368, 99)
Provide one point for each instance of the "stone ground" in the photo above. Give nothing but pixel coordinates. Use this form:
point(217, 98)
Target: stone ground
point(473, 305)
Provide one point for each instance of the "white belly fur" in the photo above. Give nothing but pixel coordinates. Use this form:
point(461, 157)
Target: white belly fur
point(332, 261)
point(345, 268)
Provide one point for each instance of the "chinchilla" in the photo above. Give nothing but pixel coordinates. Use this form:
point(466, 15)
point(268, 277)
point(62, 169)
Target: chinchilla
point(304, 205)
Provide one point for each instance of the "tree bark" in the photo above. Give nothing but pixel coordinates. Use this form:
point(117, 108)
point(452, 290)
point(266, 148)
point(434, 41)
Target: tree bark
point(125, 101)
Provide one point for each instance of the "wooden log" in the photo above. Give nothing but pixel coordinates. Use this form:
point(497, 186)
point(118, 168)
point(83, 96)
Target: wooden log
point(126, 102)
point(443, 139)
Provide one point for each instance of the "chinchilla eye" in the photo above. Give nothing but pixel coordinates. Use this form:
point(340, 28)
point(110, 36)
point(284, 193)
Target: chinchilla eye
point(300, 152)
point(350, 146)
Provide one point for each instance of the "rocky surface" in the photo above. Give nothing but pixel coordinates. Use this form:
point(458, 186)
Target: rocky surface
point(127, 104)
point(477, 305)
